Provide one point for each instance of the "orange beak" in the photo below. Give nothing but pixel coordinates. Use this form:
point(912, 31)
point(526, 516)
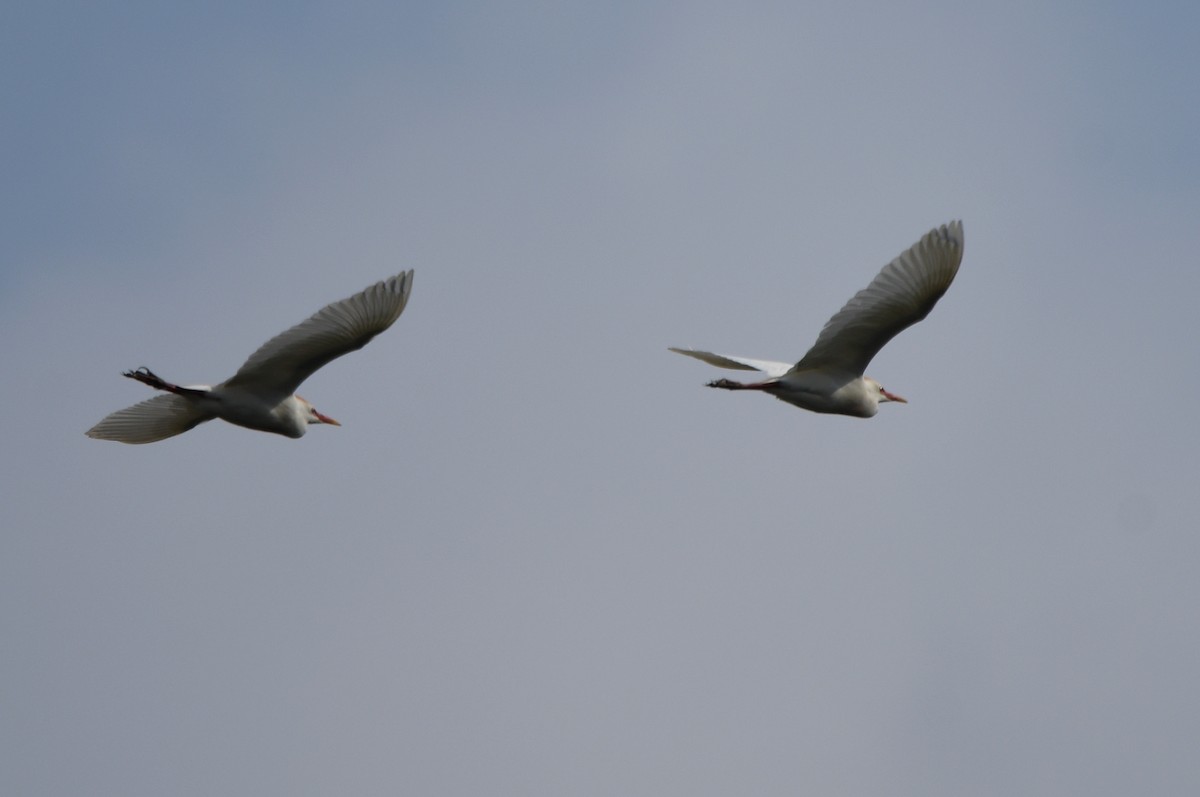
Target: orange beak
point(892, 396)
point(325, 419)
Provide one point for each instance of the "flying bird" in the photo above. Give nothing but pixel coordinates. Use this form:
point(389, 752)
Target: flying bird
point(830, 377)
point(261, 395)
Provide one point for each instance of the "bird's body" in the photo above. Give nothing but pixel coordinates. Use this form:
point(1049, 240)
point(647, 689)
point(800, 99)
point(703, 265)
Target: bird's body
point(261, 395)
point(829, 378)
point(288, 418)
point(822, 391)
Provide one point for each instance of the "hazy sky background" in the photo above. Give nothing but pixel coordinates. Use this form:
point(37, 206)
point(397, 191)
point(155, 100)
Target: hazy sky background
point(540, 557)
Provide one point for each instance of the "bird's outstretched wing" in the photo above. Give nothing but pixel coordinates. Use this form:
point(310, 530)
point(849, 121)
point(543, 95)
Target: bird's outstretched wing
point(901, 294)
point(287, 359)
point(769, 367)
point(151, 420)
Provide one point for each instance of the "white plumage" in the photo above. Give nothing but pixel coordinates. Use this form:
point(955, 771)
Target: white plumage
point(261, 395)
point(829, 378)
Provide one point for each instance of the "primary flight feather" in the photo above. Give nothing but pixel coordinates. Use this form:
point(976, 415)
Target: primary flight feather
point(830, 378)
point(261, 395)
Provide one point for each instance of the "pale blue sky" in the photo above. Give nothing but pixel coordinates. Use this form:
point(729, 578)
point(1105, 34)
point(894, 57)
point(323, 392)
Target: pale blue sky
point(539, 557)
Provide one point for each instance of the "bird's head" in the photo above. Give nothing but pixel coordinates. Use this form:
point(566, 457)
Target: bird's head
point(311, 415)
point(879, 394)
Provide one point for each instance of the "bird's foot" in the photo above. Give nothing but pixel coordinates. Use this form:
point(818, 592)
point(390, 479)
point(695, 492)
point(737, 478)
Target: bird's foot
point(148, 377)
point(769, 386)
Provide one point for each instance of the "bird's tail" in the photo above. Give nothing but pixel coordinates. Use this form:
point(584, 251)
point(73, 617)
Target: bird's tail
point(151, 420)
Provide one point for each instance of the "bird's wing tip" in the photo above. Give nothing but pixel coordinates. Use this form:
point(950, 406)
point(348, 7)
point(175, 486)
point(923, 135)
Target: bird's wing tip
point(952, 229)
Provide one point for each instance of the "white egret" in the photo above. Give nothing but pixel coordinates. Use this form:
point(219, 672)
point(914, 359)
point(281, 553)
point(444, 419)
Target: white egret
point(829, 378)
point(261, 395)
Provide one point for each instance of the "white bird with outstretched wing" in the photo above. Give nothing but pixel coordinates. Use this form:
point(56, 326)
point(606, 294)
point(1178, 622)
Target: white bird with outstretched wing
point(261, 395)
point(830, 377)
